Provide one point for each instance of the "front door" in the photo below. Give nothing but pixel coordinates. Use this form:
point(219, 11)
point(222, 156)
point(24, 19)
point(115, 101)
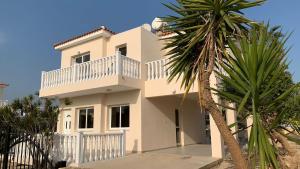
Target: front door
point(178, 140)
point(67, 122)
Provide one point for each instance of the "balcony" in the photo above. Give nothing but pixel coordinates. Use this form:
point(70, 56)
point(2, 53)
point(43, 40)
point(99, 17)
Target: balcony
point(157, 80)
point(3, 103)
point(108, 74)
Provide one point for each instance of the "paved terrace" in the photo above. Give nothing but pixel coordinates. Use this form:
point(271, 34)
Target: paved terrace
point(188, 157)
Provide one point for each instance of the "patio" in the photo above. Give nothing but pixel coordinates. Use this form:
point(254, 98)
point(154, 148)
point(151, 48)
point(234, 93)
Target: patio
point(187, 157)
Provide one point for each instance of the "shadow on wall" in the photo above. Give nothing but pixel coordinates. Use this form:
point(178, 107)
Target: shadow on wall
point(135, 146)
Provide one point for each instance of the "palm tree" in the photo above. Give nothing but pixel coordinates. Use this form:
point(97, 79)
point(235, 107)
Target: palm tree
point(201, 31)
point(252, 78)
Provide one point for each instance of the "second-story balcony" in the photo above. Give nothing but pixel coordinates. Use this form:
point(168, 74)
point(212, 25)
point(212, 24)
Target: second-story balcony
point(157, 80)
point(107, 74)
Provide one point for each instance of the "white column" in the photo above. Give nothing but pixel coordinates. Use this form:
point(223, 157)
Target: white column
point(123, 143)
point(73, 73)
point(79, 156)
point(217, 143)
point(249, 122)
point(42, 79)
point(231, 118)
point(119, 63)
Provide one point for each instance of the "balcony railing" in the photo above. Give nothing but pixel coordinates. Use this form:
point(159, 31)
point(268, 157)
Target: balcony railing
point(92, 70)
point(157, 69)
point(82, 148)
point(3, 103)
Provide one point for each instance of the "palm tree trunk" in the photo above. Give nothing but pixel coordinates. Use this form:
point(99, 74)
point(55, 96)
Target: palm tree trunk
point(233, 146)
point(206, 101)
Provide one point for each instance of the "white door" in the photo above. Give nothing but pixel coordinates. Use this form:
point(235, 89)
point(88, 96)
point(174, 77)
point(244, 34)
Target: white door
point(67, 122)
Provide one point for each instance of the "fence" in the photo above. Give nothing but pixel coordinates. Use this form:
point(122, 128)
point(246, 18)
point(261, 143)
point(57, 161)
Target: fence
point(106, 66)
point(24, 150)
point(82, 148)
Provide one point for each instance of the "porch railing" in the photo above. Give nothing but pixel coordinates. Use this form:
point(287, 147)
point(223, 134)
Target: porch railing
point(82, 148)
point(106, 66)
point(157, 69)
point(3, 103)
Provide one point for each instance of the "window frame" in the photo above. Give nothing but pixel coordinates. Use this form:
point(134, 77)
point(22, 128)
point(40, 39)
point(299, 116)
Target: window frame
point(122, 46)
point(120, 119)
point(86, 118)
point(80, 56)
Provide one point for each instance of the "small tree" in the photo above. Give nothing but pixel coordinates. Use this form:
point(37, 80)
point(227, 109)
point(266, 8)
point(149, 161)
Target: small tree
point(31, 121)
point(255, 79)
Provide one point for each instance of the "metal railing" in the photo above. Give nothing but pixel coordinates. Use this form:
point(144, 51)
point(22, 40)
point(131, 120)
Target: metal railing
point(96, 69)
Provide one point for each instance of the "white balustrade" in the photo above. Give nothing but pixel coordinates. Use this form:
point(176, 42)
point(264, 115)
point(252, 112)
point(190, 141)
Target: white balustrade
point(106, 66)
point(3, 103)
point(82, 148)
point(158, 69)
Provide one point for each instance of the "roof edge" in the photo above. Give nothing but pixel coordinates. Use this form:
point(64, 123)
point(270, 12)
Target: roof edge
point(83, 35)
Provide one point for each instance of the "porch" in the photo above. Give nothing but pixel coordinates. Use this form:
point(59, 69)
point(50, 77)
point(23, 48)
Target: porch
point(188, 157)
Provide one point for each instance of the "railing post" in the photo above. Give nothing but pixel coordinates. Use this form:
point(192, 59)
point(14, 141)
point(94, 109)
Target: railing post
point(119, 63)
point(74, 73)
point(42, 79)
point(79, 156)
point(123, 143)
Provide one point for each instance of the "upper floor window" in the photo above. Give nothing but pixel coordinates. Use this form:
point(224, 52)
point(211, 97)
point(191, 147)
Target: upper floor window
point(82, 58)
point(86, 118)
point(122, 49)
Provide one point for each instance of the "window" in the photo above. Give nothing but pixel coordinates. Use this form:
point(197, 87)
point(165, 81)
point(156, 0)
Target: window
point(86, 118)
point(123, 50)
point(119, 116)
point(82, 58)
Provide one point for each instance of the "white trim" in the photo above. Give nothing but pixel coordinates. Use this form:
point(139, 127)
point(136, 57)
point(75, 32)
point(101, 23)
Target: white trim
point(109, 117)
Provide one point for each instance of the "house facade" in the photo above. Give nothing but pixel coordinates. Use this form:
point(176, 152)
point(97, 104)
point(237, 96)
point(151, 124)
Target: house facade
point(110, 82)
point(3, 102)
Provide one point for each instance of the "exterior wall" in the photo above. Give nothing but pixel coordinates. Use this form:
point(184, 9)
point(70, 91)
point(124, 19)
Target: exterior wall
point(101, 104)
point(95, 47)
point(82, 102)
point(133, 133)
point(132, 39)
point(152, 118)
point(105, 46)
point(158, 122)
point(193, 123)
point(165, 88)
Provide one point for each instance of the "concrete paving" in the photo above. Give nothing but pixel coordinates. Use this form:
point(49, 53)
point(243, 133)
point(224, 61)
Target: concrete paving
point(188, 157)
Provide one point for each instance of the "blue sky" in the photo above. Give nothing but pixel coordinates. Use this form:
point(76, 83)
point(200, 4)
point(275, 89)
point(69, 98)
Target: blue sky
point(29, 29)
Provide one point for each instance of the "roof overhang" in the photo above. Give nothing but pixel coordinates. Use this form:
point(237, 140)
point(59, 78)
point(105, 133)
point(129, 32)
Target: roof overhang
point(3, 85)
point(83, 39)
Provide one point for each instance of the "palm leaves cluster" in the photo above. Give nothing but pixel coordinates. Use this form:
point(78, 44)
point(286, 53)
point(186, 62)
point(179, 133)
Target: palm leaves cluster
point(252, 77)
point(201, 30)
